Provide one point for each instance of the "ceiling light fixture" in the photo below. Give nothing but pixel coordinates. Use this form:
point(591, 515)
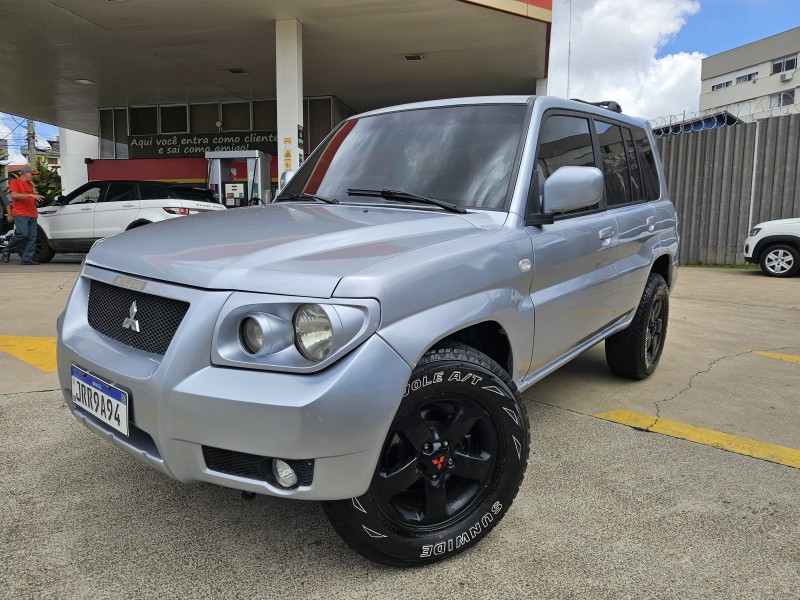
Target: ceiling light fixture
point(413, 57)
point(84, 82)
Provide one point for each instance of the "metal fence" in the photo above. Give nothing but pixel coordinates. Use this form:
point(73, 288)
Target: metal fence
point(723, 181)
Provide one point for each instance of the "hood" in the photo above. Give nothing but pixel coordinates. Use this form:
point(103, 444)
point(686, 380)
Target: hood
point(779, 222)
point(290, 249)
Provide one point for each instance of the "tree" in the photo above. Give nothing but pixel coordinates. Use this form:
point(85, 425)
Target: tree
point(47, 182)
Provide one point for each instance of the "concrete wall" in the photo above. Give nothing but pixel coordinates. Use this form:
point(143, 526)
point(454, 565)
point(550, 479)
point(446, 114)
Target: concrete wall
point(718, 193)
point(75, 148)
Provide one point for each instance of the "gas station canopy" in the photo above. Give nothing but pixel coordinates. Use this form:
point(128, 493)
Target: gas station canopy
point(65, 59)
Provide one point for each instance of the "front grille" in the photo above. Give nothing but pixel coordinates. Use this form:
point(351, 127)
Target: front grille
point(158, 318)
point(253, 466)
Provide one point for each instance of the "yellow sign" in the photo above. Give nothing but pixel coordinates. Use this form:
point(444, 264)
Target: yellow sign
point(287, 164)
point(287, 154)
point(287, 140)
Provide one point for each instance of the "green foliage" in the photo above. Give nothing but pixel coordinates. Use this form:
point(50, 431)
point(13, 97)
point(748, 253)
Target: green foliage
point(47, 182)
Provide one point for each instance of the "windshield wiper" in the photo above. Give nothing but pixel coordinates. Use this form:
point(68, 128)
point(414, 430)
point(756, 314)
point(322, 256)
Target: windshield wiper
point(406, 197)
point(307, 196)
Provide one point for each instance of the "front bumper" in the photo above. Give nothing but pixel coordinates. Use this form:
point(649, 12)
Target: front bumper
point(180, 402)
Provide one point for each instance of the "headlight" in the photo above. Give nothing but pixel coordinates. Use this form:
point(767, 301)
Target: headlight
point(754, 231)
point(286, 333)
point(313, 332)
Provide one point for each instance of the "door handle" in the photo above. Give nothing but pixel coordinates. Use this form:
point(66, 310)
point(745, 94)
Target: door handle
point(85, 209)
point(128, 205)
point(651, 224)
point(606, 233)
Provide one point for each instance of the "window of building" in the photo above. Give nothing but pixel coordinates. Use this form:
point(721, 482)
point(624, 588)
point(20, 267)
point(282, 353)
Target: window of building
point(203, 118)
point(781, 99)
point(120, 133)
point(174, 119)
point(615, 164)
point(236, 116)
point(746, 78)
point(720, 86)
point(143, 120)
point(563, 140)
point(265, 115)
point(106, 133)
point(785, 63)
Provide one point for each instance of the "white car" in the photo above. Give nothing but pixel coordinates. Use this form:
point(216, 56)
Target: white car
point(99, 209)
point(775, 245)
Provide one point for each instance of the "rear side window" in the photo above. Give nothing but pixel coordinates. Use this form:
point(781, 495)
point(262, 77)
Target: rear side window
point(120, 192)
point(563, 141)
point(149, 191)
point(190, 193)
point(647, 161)
point(615, 163)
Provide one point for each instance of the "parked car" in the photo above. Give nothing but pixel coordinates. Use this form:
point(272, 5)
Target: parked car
point(775, 245)
point(100, 209)
point(364, 339)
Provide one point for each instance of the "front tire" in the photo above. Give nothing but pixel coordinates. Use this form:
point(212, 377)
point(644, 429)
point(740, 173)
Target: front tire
point(634, 352)
point(451, 465)
point(780, 260)
point(42, 252)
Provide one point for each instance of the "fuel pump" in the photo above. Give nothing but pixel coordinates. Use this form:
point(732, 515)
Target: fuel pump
point(239, 178)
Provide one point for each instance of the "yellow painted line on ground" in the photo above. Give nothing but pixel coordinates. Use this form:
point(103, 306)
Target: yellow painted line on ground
point(777, 454)
point(37, 351)
point(792, 358)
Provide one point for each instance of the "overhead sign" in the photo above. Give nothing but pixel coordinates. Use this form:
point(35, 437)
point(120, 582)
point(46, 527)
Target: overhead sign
point(188, 145)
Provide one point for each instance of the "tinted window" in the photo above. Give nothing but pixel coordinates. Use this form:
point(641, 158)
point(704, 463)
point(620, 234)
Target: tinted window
point(563, 141)
point(615, 165)
point(647, 161)
point(119, 192)
point(192, 193)
point(151, 191)
point(633, 166)
point(462, 154)
point(90, 194)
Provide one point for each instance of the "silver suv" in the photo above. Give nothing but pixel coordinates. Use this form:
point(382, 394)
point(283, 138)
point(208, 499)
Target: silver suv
point(363, 340)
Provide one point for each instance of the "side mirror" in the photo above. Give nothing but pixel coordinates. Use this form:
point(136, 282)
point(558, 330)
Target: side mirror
point(570, 188)
point(60, 200)
point(286, 177)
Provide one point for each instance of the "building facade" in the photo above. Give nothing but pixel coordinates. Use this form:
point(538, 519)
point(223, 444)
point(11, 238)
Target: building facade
point(754, 81)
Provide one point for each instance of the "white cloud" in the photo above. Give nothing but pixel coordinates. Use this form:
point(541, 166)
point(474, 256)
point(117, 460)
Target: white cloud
point(612, 48)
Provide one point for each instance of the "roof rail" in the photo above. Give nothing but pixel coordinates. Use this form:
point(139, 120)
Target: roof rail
point(607, 104)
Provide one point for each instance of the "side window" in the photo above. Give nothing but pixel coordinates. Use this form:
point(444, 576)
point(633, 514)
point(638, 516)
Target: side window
point(119, 192)
point(633, 165)
point(149, 191)
point(652, 189)
point(563, 141)
point(89, 195)
point(615, 165)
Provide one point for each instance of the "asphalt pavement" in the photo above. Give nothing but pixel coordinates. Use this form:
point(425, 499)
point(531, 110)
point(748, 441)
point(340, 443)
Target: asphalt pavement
point(605, 511)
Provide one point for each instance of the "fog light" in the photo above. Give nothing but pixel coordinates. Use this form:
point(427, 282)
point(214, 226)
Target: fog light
point(283, 473)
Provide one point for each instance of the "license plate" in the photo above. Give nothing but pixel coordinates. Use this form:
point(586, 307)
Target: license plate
point(103, 400)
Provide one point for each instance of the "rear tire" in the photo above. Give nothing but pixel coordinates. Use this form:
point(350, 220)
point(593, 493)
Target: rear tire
point(780, 260)
point(634, 352)
point(451, 465)
point(42, 252)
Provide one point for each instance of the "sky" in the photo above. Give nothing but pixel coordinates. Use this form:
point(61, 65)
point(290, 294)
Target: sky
point(646, 54)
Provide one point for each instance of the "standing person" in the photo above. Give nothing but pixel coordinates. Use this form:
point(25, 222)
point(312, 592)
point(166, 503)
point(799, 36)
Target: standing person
point(5, 211)
point(24, 214)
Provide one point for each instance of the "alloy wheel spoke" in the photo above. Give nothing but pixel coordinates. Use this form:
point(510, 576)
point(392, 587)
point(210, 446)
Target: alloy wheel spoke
point(415, 429)
point(398, 479)
point(435, 502)
point(471, 466)
point(460, 423)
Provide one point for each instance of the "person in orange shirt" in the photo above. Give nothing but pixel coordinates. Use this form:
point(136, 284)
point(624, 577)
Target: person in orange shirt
point(24, 214)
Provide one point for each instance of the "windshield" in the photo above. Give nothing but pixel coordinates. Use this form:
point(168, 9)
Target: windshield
point(460, 154)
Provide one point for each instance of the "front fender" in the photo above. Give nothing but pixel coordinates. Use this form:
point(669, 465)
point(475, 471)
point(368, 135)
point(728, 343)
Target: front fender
point(412, 336)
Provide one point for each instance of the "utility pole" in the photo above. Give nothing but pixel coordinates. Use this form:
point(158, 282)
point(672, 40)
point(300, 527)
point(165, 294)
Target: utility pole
point(32, 143)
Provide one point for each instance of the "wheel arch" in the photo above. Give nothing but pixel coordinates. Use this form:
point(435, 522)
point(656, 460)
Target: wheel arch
point(137, 223)
point(498, 323)
point(769, 241)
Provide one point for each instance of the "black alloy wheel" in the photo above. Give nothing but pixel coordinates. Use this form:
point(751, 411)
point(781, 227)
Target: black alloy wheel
point(450, 466)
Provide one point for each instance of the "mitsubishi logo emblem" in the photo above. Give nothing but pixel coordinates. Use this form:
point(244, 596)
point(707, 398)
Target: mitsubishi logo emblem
point(131, 322)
